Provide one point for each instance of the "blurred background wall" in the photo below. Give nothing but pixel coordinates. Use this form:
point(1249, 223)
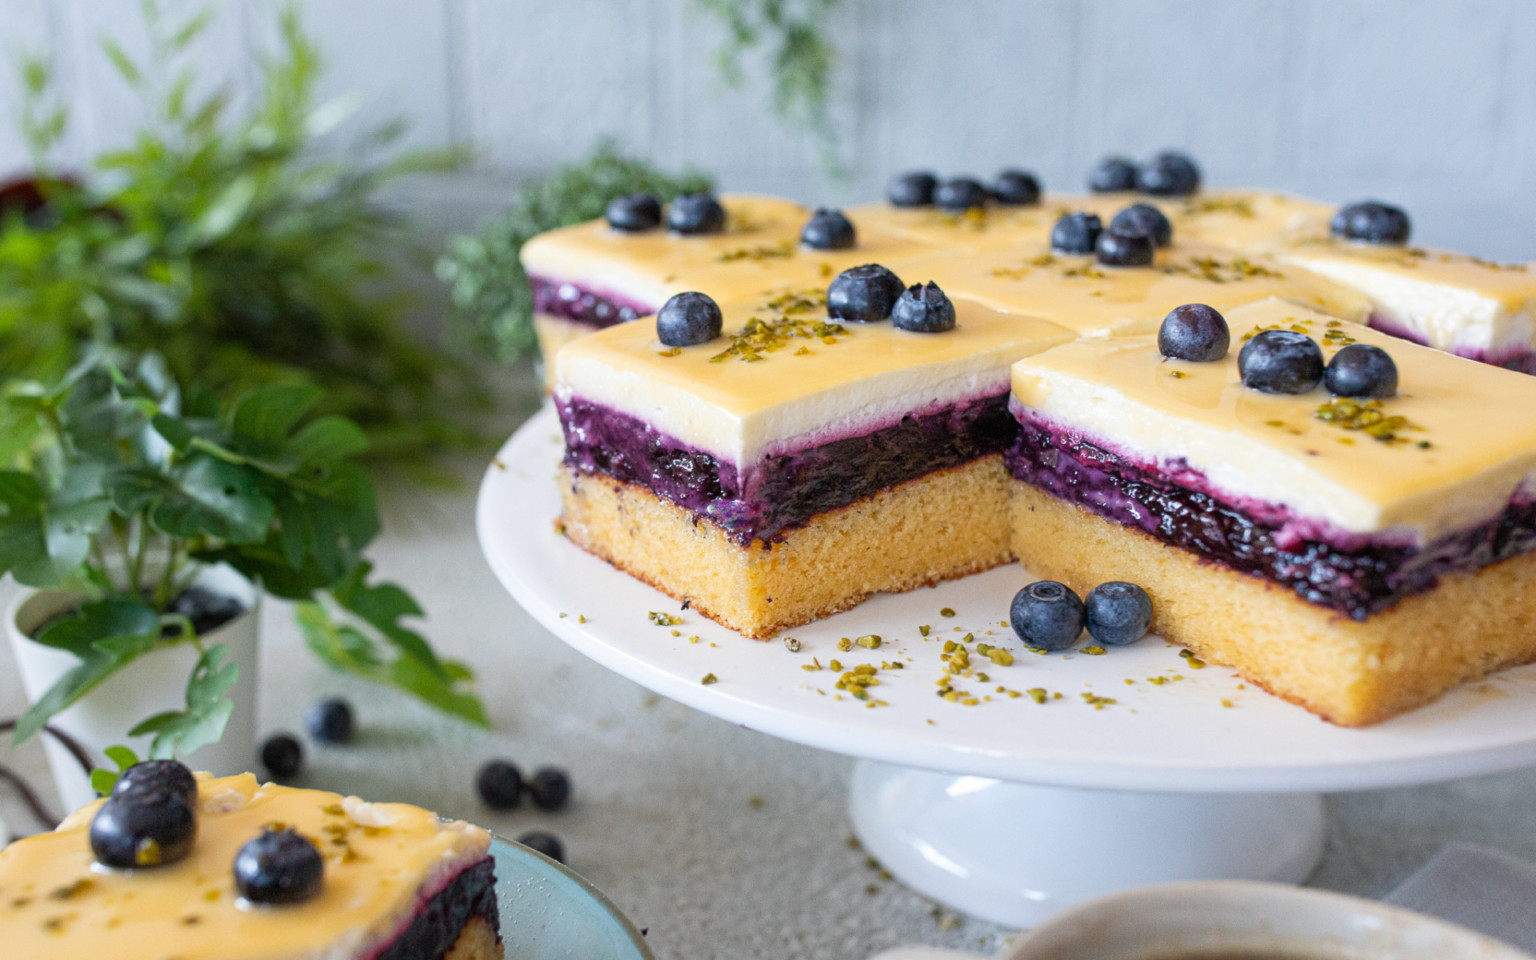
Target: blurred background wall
point(1426, 103)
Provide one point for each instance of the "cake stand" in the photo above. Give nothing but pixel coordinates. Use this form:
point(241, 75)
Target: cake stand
point(1140, 766)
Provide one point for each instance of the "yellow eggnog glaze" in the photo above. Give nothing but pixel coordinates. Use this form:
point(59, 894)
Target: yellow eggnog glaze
point(1095, 300)
point(807, 386)
point(1479, 423)
point(56, 903)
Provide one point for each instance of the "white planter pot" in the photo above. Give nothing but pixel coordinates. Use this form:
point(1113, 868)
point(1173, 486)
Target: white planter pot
point(154, 683)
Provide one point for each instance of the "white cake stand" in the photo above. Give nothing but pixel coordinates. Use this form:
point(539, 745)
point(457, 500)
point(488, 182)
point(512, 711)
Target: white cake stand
point(1008, 809)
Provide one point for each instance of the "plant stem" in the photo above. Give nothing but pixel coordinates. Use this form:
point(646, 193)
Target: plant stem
point(162, 598)
point(137, 570)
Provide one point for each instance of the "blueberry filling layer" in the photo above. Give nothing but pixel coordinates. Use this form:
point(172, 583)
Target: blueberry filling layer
point(784, 491)
point(436, 928)
point(1353, 575)
point(1518, 359)
point(569, 301)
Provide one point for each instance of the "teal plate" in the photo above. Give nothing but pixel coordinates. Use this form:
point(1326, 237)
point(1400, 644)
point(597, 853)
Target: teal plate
point(550, 913)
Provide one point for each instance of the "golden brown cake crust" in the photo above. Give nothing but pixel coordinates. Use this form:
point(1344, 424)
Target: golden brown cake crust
point(1350, 672)
point(946, 524)
point(478, 941)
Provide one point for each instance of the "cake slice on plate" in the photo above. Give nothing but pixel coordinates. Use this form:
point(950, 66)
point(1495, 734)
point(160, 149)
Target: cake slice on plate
point(1357, 556)
point(229, 869)
point(800, 462)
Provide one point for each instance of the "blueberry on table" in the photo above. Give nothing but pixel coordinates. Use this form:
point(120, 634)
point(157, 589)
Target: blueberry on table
point(863, 294)
point(165, 776)
point(961, 193)
point(278, 867)
point(1195, 332)
point(688, 319)
point(1169, 174)
point(330, 721)
point(1145, 220)
point(828, 230)
point(1118, 613)
point(1112, 175)
point(544, 842)
point(634, 212)
point(1372, 221)
point(1076, 232)
point(1047, 615)
point(1016, 188)
point(913, 189)
point(550, 788)
point(924, 308)
point(1361, 370)
point(143, 828)
point(1281, 361)
point(1118, 250)
point(696, 213)
point(500, 785)
point(282, 755)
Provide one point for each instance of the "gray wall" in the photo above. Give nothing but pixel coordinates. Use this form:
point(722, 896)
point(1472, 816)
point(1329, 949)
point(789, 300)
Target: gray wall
point(1430, 103)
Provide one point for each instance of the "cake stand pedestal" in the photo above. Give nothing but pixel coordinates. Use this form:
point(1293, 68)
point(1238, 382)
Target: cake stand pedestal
point(1137, 767)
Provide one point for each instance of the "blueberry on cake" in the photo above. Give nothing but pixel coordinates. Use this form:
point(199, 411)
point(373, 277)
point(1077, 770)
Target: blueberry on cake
point(775, 462)
point(1346, 518)
point(228, 869)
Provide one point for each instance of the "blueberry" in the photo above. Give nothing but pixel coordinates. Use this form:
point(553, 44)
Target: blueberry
point(696, 213)
point(1194, 332)
point(544, 842)
point(1372, 222)
point(688, 319)
point(550, 788)
point(1144, 220)
point(143, 828)
point(330, 721)
point(924, 308)
point(1169, 174)
point(634, 212)
point(282, 756)
point(961, 193)
point(207, 610)
point(1017, 188)
point(164, 776)
point(500, 785)
point(828, 230)
point(1118, 613)
point(1281, 361)
point(1361, 370)
point(1047, 615)
point(913, 189)
point(1112, 175)
point(1076, 232)
point(278, 867)
point(863, 294)
point(1118, 250)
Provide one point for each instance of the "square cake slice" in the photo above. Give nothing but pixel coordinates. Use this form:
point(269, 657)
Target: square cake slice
point(1359, 557)
point(795, 466)
point(1464, 305)
point(397, 884)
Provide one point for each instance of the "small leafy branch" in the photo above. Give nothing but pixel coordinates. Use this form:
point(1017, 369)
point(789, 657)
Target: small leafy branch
point(492, 303)
point(802, 59)
point(228, 243)
point(124, 489)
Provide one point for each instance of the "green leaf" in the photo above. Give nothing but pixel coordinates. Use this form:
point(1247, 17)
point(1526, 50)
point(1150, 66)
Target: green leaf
point(206, 495)
point(42, 541)
point(125, 66)
point(103, 780)
point(97, 620)
point(382, 606)
point(101, 656)
point(327, 440)
point(207, 713)
point(227, 210)
point(268, 414)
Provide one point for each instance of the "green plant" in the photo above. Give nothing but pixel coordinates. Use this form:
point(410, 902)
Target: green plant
point(230, 244)
point(122, 488)
point(802, 60)
point(492, 303)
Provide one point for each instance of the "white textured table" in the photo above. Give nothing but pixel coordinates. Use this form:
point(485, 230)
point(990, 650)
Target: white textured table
point(723, 842)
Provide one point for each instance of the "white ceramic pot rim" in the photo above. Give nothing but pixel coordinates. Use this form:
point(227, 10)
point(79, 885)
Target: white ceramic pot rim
point(221, 579)
point(1242, 914)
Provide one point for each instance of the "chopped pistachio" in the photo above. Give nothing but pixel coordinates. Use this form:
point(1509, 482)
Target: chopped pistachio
point(663, 619)
point(709, 678)
point(792, 645)
point(947, 612)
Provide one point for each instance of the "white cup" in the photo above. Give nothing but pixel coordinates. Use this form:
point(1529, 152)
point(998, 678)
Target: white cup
point(1220, 918)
